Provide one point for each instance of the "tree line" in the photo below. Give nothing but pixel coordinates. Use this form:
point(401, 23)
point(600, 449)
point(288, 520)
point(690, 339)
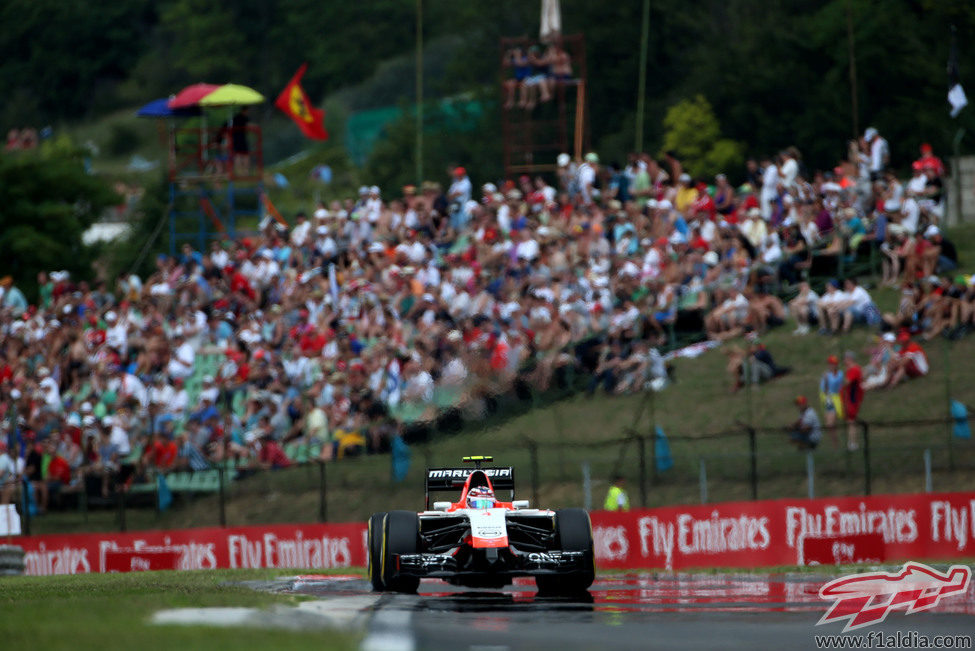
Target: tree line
point(776, 72)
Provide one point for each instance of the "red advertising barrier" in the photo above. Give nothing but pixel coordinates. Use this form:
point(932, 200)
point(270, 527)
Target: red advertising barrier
point(732, 534)
point(319, 546)
point(767, 533)
point(141, 559)
point(840, 549)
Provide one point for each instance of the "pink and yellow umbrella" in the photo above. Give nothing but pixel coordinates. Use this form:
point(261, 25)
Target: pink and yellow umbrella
point(191, 95)
point(214, 95)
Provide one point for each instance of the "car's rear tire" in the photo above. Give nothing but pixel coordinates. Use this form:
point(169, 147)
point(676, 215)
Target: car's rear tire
point(574, 535)
point(375, 540)
point(401, 535)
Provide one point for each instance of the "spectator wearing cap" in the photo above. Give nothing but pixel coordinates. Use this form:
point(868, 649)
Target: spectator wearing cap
point(567, 173)
point(911, 361)
point(687, 194)
point(877, 372)
point(928, 160)
point(458, 196)
point(806, 431)
point(942, 256)
point(830, 387)
point(586, 176)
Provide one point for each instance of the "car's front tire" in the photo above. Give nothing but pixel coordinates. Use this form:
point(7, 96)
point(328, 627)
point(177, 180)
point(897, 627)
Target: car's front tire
point(401, 535)
point(574, 535)
point(375, 542)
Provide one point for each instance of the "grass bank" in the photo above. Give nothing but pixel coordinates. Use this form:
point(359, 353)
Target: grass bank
point(95, 611)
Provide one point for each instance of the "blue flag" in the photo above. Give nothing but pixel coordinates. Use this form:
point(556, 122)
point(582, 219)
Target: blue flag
point(662, 452)
point(164, 495)
point(401, 459)
point(959, 413)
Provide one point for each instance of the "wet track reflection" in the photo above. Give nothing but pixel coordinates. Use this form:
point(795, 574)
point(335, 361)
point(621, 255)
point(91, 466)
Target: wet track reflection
point(621, 611)
point(633, 592)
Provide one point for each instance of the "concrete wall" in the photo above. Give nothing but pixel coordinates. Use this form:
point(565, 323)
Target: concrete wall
point(963, 173)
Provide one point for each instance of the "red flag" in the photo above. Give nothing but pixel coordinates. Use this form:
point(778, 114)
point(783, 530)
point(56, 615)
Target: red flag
point(295, 103)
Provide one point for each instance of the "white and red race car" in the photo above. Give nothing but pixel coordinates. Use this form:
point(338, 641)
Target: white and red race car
point(479, 541)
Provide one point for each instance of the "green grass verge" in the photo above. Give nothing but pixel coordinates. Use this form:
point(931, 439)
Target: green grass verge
point(97, 611)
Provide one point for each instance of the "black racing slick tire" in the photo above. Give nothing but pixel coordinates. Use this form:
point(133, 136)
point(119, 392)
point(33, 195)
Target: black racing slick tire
point(574, 535)
point(375, 540)
point(401, 535)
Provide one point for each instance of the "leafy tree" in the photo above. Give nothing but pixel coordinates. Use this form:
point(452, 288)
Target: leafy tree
point(205, 40)
point(61, 59)
point(46, 203)
point(693, 132)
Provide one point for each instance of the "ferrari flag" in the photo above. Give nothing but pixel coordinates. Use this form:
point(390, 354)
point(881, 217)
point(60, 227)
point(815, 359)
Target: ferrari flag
point(295, 103)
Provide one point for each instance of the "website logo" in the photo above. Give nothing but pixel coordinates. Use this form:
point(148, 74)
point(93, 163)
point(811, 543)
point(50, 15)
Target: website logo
point(866, 599)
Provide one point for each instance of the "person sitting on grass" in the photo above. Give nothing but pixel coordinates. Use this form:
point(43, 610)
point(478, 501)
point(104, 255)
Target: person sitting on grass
point(911, 361)
point(856, 307)
point(907, 313)
point(729, 316)
point(766, 310)
point(607, 369)
point(803, 308)
point(877, 371)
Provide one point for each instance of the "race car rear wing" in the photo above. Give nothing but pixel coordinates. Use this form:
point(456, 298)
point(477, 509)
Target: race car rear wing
point(447, 479)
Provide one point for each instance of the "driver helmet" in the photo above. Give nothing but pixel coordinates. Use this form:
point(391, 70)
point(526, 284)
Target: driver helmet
point(480, 497)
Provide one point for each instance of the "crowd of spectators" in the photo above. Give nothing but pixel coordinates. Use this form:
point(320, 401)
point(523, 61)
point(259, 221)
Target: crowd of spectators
point(374, 316)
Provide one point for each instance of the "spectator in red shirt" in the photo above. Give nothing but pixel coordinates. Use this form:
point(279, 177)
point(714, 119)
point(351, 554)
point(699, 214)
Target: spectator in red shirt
point(929, 161)
point(160, 454)
point(852, 397)
point(703, 204)
point(271, 455)
point(911, 361)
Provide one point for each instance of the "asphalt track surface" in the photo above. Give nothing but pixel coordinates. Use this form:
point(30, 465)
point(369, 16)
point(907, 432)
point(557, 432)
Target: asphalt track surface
point(621, 611)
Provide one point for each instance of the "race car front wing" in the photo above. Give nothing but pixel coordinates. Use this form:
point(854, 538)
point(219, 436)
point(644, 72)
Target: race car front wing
point(497, 562)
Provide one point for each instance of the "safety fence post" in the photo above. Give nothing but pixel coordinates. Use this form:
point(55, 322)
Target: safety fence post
point(223, 497)
point(121, 510)
point(586, 486)
point(642, 442)
point(753, 461)
point(810, 474)
point(928, 484)
point(703, 481)
point(867, 479)
point(322, 503)
point(25, 498)
point(533, 465)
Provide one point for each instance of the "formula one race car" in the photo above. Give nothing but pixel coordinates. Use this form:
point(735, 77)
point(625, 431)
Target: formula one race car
point(479, 541)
